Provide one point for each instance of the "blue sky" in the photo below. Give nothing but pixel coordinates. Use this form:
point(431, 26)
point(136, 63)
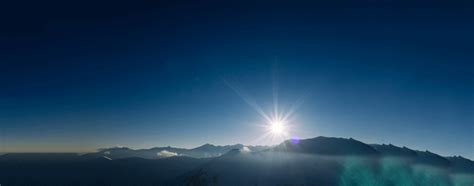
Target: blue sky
point(154, 74)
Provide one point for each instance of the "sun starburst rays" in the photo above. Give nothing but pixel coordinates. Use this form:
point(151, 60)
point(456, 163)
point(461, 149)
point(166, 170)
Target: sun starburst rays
point(278, 125)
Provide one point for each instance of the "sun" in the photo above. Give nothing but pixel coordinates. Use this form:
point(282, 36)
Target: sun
point(277, 123)
point(277, 127)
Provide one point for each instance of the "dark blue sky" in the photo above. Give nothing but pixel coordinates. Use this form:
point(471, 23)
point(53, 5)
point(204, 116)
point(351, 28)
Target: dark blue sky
point(84, 75)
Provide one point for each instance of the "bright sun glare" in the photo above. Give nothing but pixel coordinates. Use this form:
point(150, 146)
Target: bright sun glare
point(277, 127)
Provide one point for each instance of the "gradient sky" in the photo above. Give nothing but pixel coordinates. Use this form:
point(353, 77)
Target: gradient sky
point(80, 76)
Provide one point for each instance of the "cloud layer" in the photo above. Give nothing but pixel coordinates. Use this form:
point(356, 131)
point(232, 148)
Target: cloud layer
point(165, 153)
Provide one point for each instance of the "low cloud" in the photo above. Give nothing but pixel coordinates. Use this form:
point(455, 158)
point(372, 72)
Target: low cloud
point(165, 154)
point(246, 149)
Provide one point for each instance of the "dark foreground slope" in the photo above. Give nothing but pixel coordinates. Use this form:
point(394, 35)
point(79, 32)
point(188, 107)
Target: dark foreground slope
point(333, 161)
point(100, 171)
point(316, 161)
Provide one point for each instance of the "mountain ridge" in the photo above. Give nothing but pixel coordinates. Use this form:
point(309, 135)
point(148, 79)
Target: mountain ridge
point(313, 161)
point(332, 146)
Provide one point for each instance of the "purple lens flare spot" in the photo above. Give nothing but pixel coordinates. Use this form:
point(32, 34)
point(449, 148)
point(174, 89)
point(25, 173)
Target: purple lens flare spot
point(295, 140)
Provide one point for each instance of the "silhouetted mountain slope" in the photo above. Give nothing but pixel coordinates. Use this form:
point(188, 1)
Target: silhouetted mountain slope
point(327, 146)
point(391, 150)
point(264, 168)
point(461, 165)
point(432, 159)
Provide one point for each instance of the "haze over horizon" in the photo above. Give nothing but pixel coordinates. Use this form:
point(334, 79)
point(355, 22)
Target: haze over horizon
point(76, 78)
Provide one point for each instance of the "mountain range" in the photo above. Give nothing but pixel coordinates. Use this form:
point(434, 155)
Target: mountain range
point(315, 161)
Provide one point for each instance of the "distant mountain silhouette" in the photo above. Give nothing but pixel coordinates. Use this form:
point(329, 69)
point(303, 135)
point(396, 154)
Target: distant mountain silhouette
point(316, 161)
point(391, 150)
point(209, 150)
point(429, 158)
point(124, 152)
point(204, 151)
point(327, 146)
